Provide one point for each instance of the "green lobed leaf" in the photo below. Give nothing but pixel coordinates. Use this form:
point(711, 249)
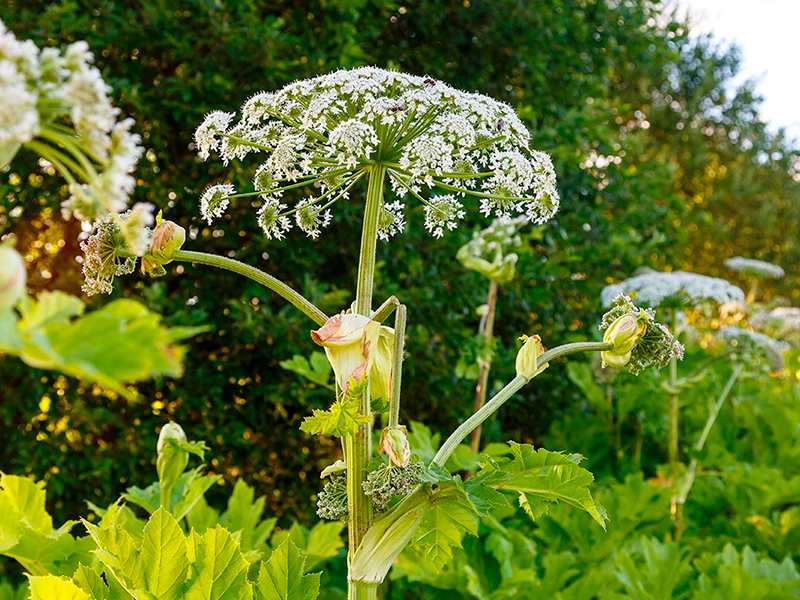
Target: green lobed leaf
point(27, 533)
point(444, 525)
point(339, 420)
point(50, 587)
point(118, 344)
point(91, 583)
point(221, 570)
point(282, 578)
point(321, 542)
point(244, 517)
point(316, 369)
point(542, 477)
point(163, 556)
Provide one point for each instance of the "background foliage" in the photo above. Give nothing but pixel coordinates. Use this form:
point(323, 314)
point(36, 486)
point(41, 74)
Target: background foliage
point(661, 160)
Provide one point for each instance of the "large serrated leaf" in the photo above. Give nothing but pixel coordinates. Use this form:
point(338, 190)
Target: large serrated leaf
point(118, 344)
point(321, 542)
point(244, 517)
point(444, 525)
point(221, 570)
point(91, 583)
point(542, 477)
point(26, 530)
point(282, 578)
point(163, 556)
point(51, 587)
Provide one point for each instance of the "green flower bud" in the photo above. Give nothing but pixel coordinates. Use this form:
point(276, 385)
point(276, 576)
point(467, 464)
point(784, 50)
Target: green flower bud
point(395, 443)
point(12, 277)
point(624, 333)
point(640, 342)
point(166, 239)
point(528, 357)
point(172, 458)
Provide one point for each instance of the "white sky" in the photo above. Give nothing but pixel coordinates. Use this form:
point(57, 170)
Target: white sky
point(768, 33)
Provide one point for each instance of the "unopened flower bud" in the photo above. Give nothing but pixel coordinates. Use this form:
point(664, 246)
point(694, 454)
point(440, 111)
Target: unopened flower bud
point(172, 458)
point(394, 442)
point(624, 333)
point(528, 357)
point(12, 276)
point(350, 343)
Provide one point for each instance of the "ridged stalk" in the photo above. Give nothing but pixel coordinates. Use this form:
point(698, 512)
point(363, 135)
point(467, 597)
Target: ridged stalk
point(359, 450)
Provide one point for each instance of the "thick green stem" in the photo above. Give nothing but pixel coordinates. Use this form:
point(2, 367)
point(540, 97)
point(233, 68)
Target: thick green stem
point(503, 395)
point(385, 310)
point(487, 330)
point(359, 445)
point(362, 591)
point(257, 275)
point(397, 365)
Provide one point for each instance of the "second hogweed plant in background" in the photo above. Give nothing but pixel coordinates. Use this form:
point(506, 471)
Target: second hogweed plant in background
point(420, 140)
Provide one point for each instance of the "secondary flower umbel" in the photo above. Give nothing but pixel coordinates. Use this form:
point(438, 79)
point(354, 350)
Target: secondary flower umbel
point(327, 132)
point(639, 341)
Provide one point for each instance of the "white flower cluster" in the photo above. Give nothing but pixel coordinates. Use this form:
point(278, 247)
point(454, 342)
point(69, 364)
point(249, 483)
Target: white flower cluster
point(757, 342)
point(58, 104)
point(782, 322)
point(330, 130)
point(756, 268)
point(19, 73)
point(678, 289)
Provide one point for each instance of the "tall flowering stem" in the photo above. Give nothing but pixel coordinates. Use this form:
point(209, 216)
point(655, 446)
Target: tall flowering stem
point(672, 426)
point(359, 446)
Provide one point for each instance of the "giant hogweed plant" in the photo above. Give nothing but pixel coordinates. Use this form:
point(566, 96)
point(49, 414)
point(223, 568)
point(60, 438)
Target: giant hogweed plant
point(748, 351)
point(418, 140)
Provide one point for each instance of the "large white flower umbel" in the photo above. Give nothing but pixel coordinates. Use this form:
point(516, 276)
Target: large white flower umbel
point(329, 131)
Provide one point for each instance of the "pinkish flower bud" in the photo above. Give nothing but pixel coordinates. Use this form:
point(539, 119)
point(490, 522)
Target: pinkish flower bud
point(394, 442)
point(350, 343)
